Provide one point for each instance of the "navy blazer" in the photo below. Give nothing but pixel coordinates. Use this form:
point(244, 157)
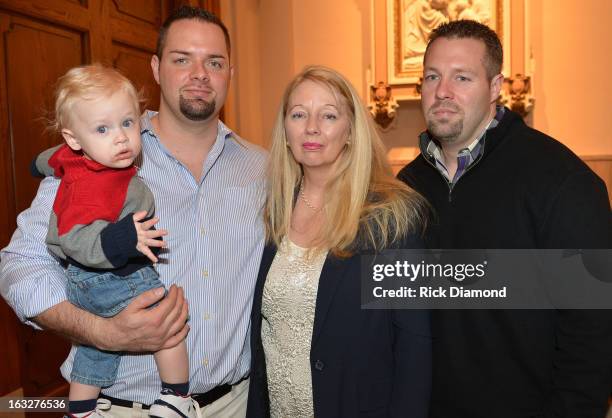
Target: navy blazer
point(364, 363)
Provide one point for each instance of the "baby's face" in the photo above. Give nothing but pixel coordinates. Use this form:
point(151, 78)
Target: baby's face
point(107, 129)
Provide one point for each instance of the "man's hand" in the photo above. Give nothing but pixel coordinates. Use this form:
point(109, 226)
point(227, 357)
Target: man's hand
point(138, 329)
point(147, 237)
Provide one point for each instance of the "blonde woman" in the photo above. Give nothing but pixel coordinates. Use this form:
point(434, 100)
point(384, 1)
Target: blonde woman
point(332, 197)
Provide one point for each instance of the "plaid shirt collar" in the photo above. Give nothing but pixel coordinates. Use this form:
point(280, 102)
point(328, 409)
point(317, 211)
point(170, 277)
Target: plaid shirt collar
point(430, 147)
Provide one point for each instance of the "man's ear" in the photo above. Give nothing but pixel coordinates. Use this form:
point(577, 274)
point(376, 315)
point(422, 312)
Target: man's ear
point(71, 139)
point(155, 67)
point(496, 86)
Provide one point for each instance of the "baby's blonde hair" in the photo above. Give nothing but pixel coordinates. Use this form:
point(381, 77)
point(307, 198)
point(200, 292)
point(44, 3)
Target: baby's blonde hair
point(87, 83)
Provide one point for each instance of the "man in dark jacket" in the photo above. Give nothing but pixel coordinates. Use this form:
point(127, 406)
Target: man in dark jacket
point(494, 182)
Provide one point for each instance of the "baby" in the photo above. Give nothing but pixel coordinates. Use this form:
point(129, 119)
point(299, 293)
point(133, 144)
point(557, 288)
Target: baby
point(102, 227)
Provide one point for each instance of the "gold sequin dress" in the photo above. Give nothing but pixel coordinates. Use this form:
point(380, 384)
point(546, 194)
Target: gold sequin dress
point(288, 308)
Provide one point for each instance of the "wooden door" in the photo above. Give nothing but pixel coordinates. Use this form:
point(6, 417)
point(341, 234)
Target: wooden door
point(41, 40)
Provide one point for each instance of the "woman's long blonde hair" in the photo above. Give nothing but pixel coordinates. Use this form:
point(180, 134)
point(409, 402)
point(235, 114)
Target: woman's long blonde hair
point(366, 206)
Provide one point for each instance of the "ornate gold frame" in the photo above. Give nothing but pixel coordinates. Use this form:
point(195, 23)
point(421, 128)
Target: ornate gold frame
point(406, 82)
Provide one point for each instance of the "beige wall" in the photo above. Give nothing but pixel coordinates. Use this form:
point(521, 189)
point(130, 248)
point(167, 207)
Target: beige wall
point(335, 34)
point(274, 39)
point(573, 60)
point(263, 62)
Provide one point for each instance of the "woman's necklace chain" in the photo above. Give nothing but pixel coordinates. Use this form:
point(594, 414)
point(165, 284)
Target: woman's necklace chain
point(306, 201)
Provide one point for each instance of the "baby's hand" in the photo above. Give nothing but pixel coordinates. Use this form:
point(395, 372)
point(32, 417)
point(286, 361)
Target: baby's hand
point(147, 236)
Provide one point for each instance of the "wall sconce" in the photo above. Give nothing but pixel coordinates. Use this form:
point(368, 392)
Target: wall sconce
point(382, 105)
point(516, 94)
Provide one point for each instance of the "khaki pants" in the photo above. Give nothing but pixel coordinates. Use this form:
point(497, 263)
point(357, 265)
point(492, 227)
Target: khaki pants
point(231, 405)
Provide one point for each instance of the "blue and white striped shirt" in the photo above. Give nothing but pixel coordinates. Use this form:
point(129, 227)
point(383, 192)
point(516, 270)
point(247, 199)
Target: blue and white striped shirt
point(215, 241)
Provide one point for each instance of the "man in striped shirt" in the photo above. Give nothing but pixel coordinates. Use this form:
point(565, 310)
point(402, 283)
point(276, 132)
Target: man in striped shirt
point(208, 186)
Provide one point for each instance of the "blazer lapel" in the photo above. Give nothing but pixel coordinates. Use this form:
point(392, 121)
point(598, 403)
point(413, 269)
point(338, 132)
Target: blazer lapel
point(264, 266)
point(331, 276)
point(266, 259)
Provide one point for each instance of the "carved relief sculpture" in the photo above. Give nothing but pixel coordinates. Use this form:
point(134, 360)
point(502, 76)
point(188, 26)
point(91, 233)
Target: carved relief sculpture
point(420, 17)
point(412, 21)
point(408, 25)
point(382, 105)
point(516, 94)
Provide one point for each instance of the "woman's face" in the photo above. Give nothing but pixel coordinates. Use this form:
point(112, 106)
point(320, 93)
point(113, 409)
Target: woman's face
point(317, 125)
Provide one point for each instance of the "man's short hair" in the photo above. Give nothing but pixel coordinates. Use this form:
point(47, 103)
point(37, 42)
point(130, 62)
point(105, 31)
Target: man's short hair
point(188, 12)
point(461, 29)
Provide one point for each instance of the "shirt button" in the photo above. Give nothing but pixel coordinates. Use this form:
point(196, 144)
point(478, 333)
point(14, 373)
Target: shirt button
point(205, 273)
point(206, 316)
point(319, 365)
point(205, 362)
point(202, 231)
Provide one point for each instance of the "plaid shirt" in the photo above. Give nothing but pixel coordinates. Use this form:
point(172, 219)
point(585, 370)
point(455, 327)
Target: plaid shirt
point(431, 149)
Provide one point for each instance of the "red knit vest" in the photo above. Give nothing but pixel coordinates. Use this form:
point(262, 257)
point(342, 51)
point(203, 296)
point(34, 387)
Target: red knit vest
point(88, 191)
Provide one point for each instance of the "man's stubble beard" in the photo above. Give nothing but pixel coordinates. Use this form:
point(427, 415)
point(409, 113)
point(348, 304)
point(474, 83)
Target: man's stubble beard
point(196, 109)
point(444, 130)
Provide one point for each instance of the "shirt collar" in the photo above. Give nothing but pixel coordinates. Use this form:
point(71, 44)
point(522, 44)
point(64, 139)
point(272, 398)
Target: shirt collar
point(226, 140)
point(146, 126)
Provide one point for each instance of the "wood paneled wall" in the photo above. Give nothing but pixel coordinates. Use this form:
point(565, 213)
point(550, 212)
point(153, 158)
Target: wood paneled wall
point(41, 40)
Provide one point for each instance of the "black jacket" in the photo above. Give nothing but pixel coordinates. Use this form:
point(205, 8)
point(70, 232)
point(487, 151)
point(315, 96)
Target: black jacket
point(526, 191)
point(364, 363)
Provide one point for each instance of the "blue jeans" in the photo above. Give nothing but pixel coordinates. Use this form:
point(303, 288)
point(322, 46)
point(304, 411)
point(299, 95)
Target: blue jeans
point(103, 294)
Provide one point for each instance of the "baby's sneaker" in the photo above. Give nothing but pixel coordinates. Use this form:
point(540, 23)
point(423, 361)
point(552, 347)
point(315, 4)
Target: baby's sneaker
point(102, 406)
point(171, 405)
